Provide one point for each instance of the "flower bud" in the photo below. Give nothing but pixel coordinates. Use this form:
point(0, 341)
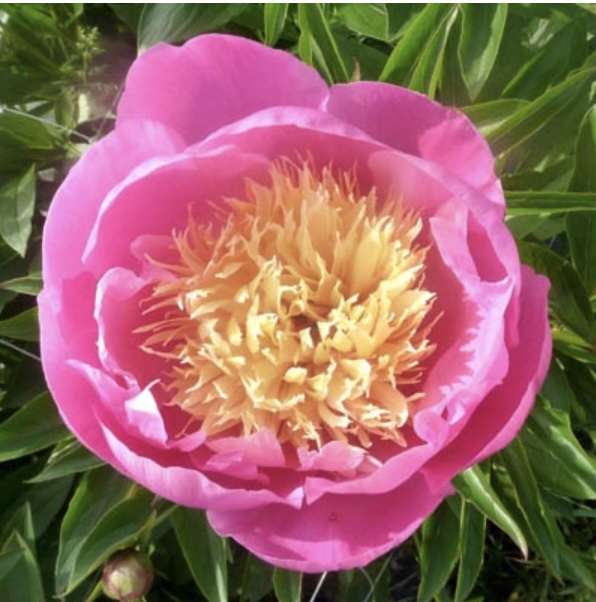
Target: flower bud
point(127, 576)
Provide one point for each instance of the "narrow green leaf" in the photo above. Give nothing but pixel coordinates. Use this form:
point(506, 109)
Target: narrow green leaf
point(180, 22)
point(287, 585)
point(520, 202)
point(312, 15)
point(69, 457)
point(407, 51)
point(584, 174)
point(540, 112)
point(25, 285)
point(557, 458)
point(439, 551)
point(23, 326)
point(568, 296)
point(573, 567)
point(17, 203)
point(471, 549)
point(564, 51)
point(98, 494)
point(274, 15)
point(488, 116)
point(475, 487)
point(427, 71)
point(35, 426)
point(581, 234)
point(23, 580)
point(370, 20)
point(557, 389)
point(481, 35)
point(119, 528)
point(7, 560)
point(205, 553)
point(539, 521)
point(25, 139)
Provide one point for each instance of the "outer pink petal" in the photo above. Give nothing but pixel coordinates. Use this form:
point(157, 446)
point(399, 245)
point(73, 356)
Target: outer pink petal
point(337, 532)
point(502, 413)
point(414, 124)
point(214, 80)
point(74, 209)
point(67, 384)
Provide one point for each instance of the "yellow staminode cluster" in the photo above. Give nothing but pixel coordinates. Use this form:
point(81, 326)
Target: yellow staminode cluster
point(302, 314)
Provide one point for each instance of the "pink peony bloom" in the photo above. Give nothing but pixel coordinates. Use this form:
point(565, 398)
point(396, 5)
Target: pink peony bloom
point(295, 306)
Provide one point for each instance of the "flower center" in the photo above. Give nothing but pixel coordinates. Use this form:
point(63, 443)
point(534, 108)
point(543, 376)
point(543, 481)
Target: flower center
point(304, 314)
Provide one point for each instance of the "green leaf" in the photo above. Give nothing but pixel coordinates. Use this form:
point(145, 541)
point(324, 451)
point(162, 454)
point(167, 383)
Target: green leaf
point(105, 513)
point(25, 285)
point(584, 174)
point(274, 15)
point(426, 73)
point(521, 202)
point(23, 326)
point(556, 456)
point(488, 116)
point(563, 52)
point(205, 553)
point(312, 20)
point(402, 60)
point(475, 487)
point(17, 203)
point(539, 521)
point(439, 551)
point(573, 567)
point(23, 580)
point(481, 35)
point(180, 22)
point(287, 585)
point(540, 112)
point(68, 457)
point(370, 20)
point(581, 234)
point(568, 295)
point(25, 139)
point(471, 549)
point(120, 528)
point(36, 426)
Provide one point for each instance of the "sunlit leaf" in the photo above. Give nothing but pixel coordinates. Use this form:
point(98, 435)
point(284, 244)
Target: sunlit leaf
point(205, 553)
point(36, 426)
point(287, 585)
point(23, 326)
point(312, 17)
point(274, 14)
point(180, 22)
point(481, 36)
point(17, 202)
point(475, 487)
point(439, 551)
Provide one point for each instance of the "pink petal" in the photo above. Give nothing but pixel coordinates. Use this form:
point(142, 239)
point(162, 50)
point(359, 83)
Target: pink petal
point(502, 413)
point(337, 532)
point(414, 124)
point(74, 209)
point(184, 484)
point(214, 80)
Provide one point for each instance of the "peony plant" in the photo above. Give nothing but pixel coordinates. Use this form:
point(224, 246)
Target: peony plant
point(295, 306)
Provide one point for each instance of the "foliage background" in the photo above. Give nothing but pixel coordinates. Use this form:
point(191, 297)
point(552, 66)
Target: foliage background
point(521, 526)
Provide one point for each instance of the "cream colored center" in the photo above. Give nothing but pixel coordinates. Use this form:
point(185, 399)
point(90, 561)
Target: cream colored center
point(303, 314)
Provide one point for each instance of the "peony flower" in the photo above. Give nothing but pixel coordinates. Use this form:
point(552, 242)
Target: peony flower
point(295, 306)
